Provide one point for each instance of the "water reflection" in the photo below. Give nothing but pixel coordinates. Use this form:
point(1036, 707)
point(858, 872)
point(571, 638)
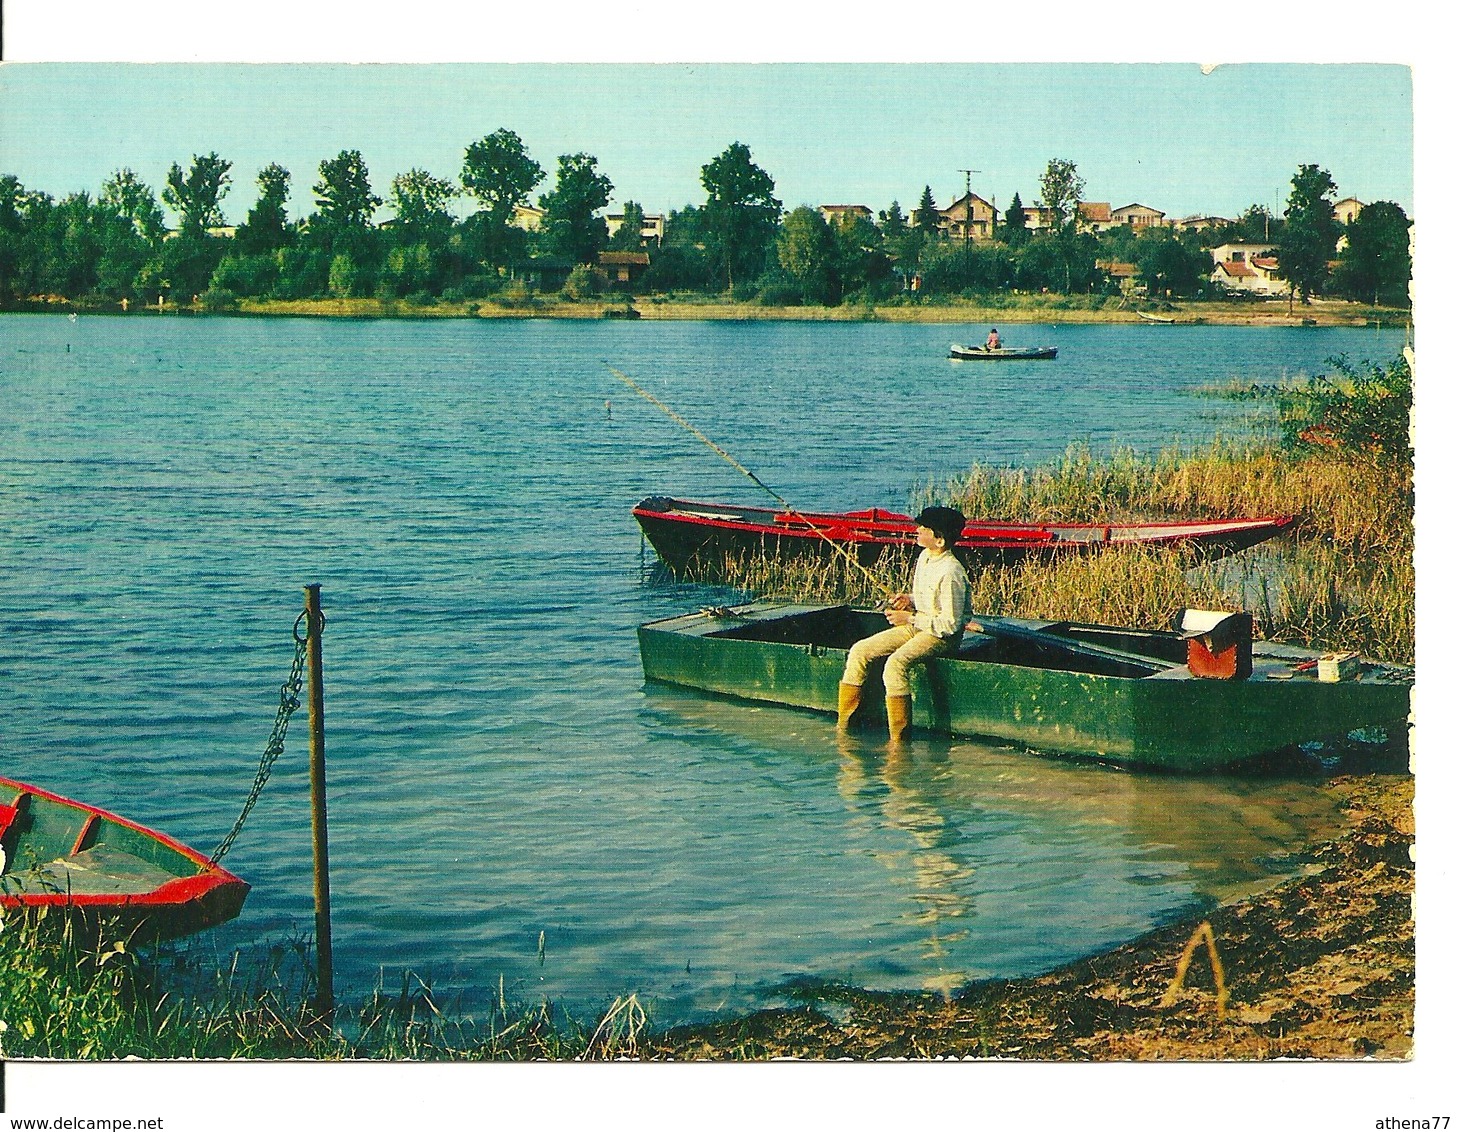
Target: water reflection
point(882, 775)
point(1005, 862)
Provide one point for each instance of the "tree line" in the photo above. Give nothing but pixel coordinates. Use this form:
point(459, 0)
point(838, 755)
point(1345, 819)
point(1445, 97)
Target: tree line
point(740, 241)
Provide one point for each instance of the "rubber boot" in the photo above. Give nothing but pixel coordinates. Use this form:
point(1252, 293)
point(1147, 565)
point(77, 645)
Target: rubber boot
point(899, 710)
point(849, 696)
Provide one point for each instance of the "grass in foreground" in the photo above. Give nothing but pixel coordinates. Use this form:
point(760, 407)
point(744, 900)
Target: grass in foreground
point(71, 998)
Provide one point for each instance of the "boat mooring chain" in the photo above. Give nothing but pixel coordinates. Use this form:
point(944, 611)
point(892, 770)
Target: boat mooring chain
point(288, 704)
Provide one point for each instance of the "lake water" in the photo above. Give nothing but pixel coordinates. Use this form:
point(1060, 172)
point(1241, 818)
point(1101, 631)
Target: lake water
point(508, 800)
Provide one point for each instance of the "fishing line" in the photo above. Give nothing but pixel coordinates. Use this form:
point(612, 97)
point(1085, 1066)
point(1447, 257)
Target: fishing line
point(745, 471)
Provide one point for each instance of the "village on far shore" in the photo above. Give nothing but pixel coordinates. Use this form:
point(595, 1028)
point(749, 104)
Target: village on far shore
point(433, 253)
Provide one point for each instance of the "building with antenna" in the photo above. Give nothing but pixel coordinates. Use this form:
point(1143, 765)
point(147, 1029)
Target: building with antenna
point(971, 215)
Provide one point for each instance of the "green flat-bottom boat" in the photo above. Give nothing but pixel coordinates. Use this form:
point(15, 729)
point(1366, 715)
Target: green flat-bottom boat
point(1129, 696)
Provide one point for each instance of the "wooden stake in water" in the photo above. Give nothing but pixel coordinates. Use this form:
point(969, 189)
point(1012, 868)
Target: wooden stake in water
point(324, 955)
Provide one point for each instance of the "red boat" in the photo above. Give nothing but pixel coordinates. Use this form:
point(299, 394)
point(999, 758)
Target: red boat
point(703, 536)
point(106, 872)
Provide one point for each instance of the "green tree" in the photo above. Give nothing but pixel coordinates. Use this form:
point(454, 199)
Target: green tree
point(342, 194)
point(1061, 189)
point(925, 216)
point(422, 203)
point(806, 250)
point(741, 213)
point(629, 235)
point(1310, 231)
point(893, 223)
point(680, 263)
point(500, 174)
point(267, 225)
point(197, 198)
point(1169, 265)
point(1058, 261)
point(1258, 225)
point(1374, 265)
point(572, 226)
point(498, 171)
point(862, 262)
point(1015, 230)
point(126, 196)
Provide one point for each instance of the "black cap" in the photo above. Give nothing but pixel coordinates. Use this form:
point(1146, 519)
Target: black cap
point(945, 522)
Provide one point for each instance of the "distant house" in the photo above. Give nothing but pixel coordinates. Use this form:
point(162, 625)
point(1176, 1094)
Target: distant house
point(1239, 252)
point(1347, 209)
point(836, 213)
point(652, 231)
point(624, 268)
point(970, 212)
point(1138, 216)
point(1094, 216)
point(1247, 269)
point(1198, 223)
point(1037, 218)
point(526, 217)
point(1125, 275)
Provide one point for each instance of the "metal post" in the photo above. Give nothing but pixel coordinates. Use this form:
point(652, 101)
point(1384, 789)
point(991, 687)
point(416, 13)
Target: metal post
point(324, 956)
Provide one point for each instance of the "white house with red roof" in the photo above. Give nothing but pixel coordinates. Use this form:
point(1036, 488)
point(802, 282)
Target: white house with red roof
point(1247, 269)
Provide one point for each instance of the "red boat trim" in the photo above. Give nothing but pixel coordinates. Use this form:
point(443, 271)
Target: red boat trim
point(891, 529)
point(205, 866)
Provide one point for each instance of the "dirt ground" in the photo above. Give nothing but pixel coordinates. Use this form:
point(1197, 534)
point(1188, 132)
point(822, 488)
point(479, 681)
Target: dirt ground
point(1322, 966)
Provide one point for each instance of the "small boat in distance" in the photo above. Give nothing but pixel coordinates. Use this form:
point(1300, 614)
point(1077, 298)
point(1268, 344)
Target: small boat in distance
point(110, 874)
point(1155, 318)
point(1198, 698)
point(1002, 353)
point(687, 535)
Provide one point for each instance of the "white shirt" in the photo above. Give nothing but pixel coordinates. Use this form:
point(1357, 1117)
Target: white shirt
point(940, 594)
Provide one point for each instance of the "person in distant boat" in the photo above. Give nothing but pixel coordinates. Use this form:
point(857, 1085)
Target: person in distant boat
point(992, 342)
point(926, 623)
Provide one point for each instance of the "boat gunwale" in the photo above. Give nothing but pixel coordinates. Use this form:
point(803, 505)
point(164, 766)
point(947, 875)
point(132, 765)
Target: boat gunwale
point(850, 526)
point(181, 890)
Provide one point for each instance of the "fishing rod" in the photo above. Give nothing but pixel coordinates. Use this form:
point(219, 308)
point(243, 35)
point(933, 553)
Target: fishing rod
point(755, 479)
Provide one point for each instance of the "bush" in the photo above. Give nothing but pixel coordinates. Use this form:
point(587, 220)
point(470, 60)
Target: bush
point(780, 293)
point(218, 299)
point(480, 286)
point(1364, 410)
point(246, 275)
point(585, 281)
point(421, 299)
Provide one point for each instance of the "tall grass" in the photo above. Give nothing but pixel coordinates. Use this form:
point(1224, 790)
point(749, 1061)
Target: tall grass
point(1344, 579)
point(69, 996)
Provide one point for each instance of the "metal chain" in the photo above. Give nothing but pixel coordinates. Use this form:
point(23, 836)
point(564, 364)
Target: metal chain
point(288, 704)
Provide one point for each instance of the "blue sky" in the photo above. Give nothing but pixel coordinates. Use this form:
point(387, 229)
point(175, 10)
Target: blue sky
point(1166, 135)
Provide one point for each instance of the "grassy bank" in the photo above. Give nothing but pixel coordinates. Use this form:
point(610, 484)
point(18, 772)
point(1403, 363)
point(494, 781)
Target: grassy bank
point(992, 309)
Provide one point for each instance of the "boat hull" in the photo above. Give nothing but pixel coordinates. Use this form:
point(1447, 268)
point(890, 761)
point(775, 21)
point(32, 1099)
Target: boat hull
point(109, 875)
point(1150, 714)
point(1003, 353)
point(699, 538)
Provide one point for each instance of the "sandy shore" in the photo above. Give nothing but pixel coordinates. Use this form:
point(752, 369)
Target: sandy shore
point(1052, 311)
point(1322, 966)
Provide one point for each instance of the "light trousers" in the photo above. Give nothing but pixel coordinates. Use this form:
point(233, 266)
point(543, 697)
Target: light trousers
point(903, 645)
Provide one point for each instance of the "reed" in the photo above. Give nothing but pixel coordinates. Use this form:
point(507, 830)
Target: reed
point(1344, 579)
point(72, 998)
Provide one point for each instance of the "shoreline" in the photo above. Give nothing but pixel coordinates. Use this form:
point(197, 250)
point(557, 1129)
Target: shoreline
point(1320, 966)
point(1021, 311)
